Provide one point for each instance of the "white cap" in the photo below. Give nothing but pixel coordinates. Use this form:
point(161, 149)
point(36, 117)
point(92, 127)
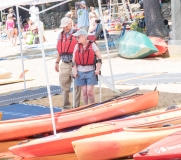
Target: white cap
point(65, 21)
point(83, 2)
point(81, 32)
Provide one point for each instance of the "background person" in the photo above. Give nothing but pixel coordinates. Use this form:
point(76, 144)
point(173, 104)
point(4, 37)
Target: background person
point(65, 46)
point(15, 30)
point(92, 16)
point(85, 68)
point(82, 15)
point(10, 27)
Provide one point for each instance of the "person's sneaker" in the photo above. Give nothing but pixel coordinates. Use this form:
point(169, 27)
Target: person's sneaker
point(65, 109)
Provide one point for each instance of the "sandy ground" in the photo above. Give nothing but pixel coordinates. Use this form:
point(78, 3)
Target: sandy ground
point(169, 93)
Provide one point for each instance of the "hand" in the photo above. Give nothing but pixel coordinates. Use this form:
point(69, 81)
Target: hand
point(75, 75)
point(97, 72)
point(56, 67)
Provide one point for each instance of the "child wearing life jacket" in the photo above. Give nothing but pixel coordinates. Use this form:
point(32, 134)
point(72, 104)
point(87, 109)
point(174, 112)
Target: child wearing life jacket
point(87, 62)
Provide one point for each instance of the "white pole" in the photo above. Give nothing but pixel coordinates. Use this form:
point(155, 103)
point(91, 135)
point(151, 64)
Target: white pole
point(110, 7)
point(46, 73)
point(105, 37)
point(100, 90)
point(73, 92)
point(19, 35)
point(54, 6)
point(2, 16)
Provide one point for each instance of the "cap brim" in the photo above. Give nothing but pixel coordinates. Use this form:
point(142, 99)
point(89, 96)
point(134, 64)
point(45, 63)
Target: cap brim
point(63, 25)
point(76, 34)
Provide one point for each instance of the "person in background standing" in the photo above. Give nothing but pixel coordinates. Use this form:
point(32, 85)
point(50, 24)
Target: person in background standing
point(15, 30)
point(82, 14)
point(65, 46)
point(92, 16)
point(10, 27)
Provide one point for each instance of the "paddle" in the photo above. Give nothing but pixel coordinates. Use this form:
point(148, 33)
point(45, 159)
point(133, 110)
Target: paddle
point(115, 97)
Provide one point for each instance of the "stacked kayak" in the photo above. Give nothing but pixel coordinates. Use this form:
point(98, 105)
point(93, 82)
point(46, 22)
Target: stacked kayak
point(120, 144)
point(168, 148)
point(160, 44)
point(134, 45)
point(102, 112)
point(61, 143)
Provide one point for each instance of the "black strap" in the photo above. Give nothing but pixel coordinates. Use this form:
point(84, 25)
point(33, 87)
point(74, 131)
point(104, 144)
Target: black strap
point(79, 52)
point(69, 43)
point(61, 39)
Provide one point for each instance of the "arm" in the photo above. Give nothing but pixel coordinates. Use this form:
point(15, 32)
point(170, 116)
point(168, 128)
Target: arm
point(74, 64)
point(85, 6)
point(75, 12)
point(99, 64)
point(95, 14)
point(57, 62)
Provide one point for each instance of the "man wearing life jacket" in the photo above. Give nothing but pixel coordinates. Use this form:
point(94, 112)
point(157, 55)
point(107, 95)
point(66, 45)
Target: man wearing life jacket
point(86, 65)
point(65, 47)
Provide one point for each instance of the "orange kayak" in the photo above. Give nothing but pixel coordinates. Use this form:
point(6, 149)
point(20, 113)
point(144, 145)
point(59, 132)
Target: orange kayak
point(120, 144)
point(57, 114)
point(61, 143)
point(34, 148)
point(86, 116)
point(160, 45)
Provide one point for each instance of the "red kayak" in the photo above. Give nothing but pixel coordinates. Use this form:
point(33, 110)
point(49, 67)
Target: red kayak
point(160, 44)
point(61, 143)
point(168, 148)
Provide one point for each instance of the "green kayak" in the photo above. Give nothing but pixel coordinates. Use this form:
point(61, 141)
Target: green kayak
point(135, 45)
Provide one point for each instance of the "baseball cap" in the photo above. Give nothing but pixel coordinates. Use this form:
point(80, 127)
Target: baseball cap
point(83, 2)
point(65, 21)
point(80, 32)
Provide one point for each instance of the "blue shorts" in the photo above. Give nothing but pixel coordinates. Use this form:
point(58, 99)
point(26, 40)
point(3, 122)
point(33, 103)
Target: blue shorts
point(86, 78)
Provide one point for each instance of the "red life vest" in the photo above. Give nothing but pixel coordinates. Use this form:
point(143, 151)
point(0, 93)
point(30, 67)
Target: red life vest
point(85, 57)
point(66, 45)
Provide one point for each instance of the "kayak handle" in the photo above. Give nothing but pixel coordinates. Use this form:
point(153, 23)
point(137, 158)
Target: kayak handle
point(144, 152)
point(22, 142)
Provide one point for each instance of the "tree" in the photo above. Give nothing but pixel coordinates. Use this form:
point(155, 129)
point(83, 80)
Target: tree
point(154, 19)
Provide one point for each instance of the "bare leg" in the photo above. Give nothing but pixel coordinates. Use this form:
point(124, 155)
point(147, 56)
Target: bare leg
point(84, 94)
point(9, 35)
point(15, 39)
point(90, 93)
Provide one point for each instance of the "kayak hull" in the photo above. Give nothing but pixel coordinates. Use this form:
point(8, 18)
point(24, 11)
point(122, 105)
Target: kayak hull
point(120, 144)
point(160, 45)
point(134, 45)
point(168, 148)
point(86, 116)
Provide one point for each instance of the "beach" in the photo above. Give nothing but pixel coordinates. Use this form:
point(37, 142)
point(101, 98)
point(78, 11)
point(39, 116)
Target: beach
point(169, 93)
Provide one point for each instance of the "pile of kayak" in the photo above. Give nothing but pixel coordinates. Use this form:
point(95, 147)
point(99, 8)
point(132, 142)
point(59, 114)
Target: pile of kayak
point(101, 131)
point(133, 45)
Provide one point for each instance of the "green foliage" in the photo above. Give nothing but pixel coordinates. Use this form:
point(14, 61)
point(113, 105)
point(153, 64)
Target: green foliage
point(134, 27)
